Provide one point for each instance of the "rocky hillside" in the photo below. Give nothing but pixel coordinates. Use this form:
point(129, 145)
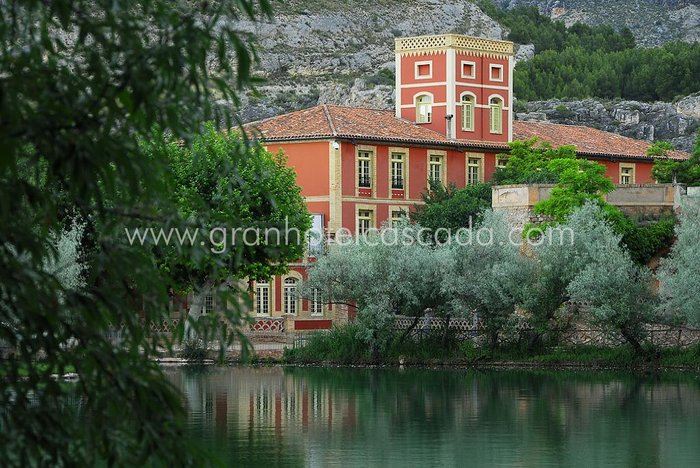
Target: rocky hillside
point(653, 22)
point(324, 51)
point(315, 50)
point(677, 122)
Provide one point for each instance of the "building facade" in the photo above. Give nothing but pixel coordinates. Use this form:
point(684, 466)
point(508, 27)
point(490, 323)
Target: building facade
point(359, 168)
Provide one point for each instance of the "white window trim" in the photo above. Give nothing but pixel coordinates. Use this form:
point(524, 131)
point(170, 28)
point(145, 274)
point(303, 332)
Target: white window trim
point(372, 150)
point(491, 68)
point(461, 69)
point(633, 175)
point(268, 285)
point(481, 158)
point(297, 302)
point(474, 106)
point(443, 166)
point(404, 152)
point(393, 209)
point(317, 298)
point(502, 106)
point(418, 76)
point(432, 104)
point(372, 216)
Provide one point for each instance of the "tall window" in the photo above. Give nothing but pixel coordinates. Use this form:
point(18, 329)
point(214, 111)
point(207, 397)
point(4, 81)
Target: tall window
point(626, 175)
point(468, 105)
point(397, 217)
point(397, 170)
point(262, 298)
point(496, 114)
point(424, 108)
point(364, 169)
point(208, 303)
point(316, 302)
point(435, 169)
point(290, 296)
point(364, 221)
point(474, 171)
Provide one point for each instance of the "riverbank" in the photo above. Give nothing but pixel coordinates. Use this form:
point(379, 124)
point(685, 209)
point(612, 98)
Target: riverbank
point(580, 357)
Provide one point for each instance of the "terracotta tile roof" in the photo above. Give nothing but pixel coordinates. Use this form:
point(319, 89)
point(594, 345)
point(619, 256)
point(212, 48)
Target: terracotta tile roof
point(588, 141)
point(330, 121)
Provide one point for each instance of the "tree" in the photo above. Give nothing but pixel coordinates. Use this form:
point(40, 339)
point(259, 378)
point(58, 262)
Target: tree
point(672, 171)
point(383, 274)
point(83, 82)
point(529, 163)
point(223, 185)
point(618, 293)
point(679, 272)
point(485, 275)
point(452, 208)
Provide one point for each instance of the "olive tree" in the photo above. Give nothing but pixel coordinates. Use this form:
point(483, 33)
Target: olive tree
point(617, 292)
point(679, 272)
point(382, 274)
point(82, 83)
point(485, 275)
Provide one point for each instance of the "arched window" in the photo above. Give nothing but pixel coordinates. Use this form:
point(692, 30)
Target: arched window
point(290, 296)
point(424, 108)
point(468, 104)
point(496, 114)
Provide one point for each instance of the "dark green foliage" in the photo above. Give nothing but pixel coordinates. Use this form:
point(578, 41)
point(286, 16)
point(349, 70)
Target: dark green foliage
point(343, 344)
point(83, 82)
point(194, 350)
point(594, 61)
point(452, 208)
point(642, 241)
point(683, 172)
point(530, 163)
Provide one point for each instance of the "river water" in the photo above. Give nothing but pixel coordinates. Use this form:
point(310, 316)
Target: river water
point(287, 416)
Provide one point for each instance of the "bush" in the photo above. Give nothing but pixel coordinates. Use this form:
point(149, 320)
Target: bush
point(343, 344)
point(194, 350)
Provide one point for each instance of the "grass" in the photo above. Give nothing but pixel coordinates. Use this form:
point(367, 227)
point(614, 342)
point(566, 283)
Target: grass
point(343, 345)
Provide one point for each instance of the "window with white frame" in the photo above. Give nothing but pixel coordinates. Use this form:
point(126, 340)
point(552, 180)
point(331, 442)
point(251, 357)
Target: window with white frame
point(208, 304)
point(290, 296)
point(424, 70)
point(468, 69)
point(474, 171)
point(365, 220)
point(397, 217)
point(316, 302)
point(435, 168)
point(626, 174)
point(424, 108)
point(397, 170)
point(262, 298)
point(496, 114)
point(501, 162)
point(496, 72)
point(364, 169)
point(468, 105)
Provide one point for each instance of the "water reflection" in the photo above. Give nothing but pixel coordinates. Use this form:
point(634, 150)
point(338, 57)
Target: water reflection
point(369, 417)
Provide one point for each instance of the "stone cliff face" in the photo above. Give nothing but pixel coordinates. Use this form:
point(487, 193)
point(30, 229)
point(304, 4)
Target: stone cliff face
point(653, 22)
point(676, 122)
point(324, 51)
point(315, 50)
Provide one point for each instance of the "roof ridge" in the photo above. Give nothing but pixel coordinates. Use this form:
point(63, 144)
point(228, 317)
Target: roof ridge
point(329, 119)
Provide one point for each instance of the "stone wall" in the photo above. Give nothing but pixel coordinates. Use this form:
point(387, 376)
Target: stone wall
point(643, 201)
